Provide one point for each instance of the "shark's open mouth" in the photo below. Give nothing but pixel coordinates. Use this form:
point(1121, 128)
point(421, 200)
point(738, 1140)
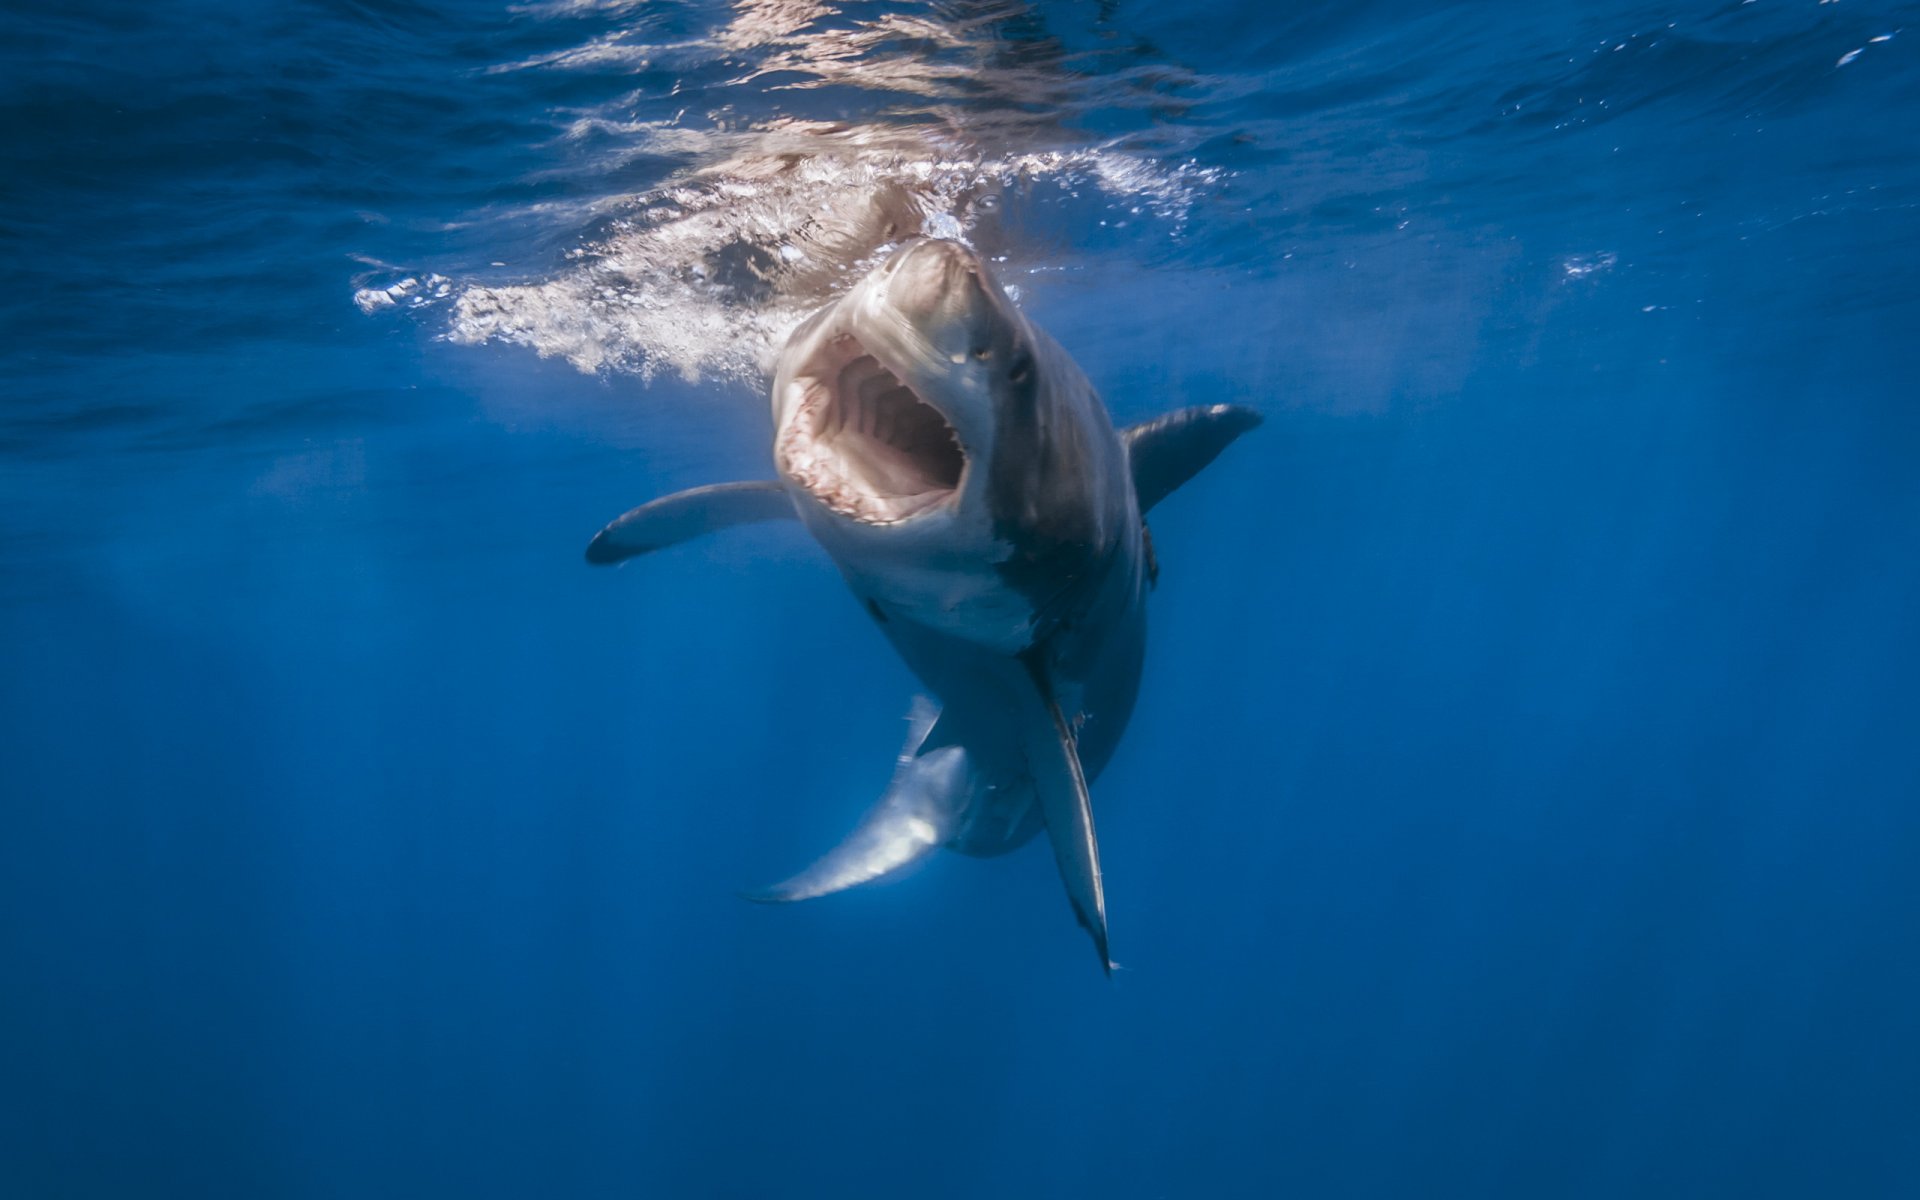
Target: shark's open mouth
point(863, 441)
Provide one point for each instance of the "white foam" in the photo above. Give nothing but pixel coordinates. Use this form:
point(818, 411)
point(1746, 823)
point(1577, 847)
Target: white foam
point(705, 274)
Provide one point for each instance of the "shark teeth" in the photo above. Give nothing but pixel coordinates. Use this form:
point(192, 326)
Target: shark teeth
point(862, 442)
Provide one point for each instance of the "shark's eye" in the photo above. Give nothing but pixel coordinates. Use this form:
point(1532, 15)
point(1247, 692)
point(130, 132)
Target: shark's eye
point(1022, 368)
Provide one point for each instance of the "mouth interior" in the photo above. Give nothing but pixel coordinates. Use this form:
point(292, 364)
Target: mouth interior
point(863, 442)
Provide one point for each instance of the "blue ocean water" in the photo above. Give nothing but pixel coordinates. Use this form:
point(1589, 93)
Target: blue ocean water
point(1522, 797)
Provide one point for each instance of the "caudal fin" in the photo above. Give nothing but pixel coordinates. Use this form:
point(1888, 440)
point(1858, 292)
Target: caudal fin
point(918, 814)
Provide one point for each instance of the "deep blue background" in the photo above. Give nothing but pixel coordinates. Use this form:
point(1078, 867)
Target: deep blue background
point(1523, 797)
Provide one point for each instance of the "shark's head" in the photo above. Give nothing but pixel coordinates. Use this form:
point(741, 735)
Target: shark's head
point(887, 402)
point(949, 455)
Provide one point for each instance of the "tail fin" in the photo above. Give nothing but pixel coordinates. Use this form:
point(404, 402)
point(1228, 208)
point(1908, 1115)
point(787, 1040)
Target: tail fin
point(919, 813)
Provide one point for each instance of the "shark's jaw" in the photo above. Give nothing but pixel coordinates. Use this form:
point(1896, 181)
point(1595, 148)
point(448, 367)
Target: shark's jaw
point(865, 443)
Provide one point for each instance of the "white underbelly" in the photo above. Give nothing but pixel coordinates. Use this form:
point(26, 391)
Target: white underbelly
point(972, 603)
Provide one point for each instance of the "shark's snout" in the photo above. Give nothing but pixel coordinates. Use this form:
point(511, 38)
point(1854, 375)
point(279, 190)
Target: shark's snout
point(937, 286)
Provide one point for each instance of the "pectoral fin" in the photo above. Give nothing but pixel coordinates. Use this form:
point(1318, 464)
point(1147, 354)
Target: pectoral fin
point(1053, 757)
point(919, 813)
point(1169, 450)
point(683, 515)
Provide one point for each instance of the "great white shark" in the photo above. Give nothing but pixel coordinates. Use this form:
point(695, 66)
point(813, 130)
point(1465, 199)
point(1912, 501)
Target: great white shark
point(966, 478)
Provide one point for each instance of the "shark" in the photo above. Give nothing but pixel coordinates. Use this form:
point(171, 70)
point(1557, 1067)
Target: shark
point(967, 480)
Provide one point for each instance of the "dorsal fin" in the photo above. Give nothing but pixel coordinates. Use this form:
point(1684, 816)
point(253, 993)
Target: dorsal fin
point(683, 515)
point(1171, 449)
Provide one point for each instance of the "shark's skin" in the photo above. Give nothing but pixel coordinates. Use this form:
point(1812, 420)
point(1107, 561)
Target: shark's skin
point(963, 474)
